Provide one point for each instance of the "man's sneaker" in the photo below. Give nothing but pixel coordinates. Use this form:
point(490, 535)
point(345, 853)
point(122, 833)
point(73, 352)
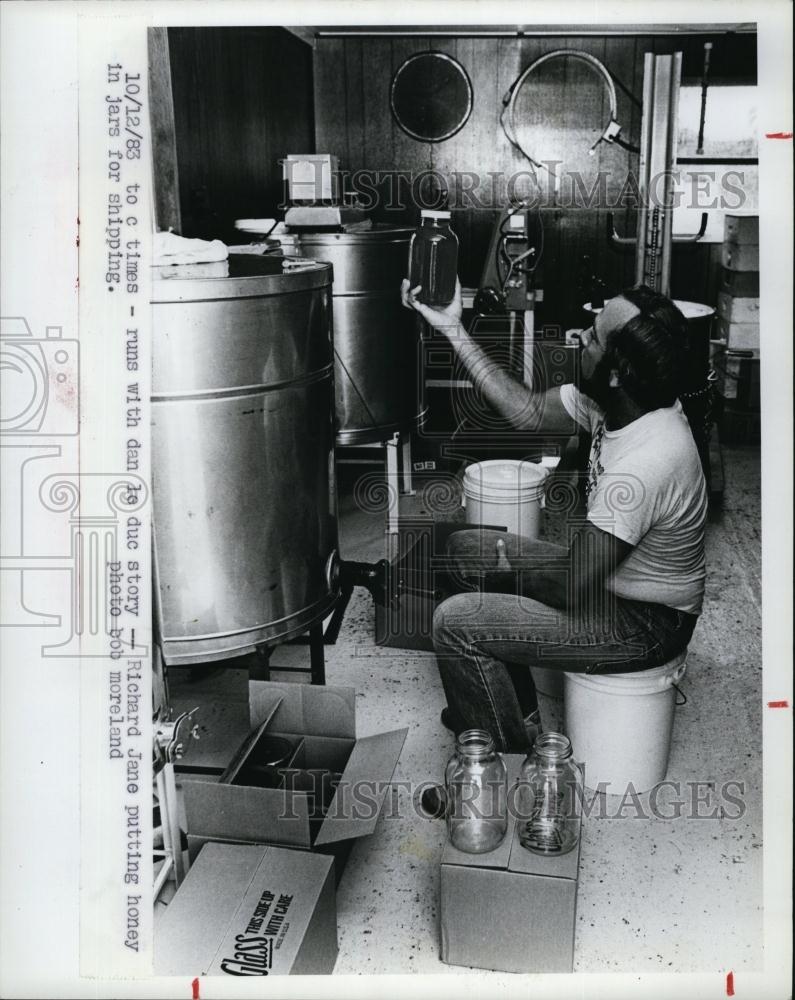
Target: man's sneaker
point(434, 802)
point(532, 724)
point(451, 721)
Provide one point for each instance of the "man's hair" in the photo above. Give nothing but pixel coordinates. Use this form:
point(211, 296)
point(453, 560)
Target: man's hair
point(650, 351)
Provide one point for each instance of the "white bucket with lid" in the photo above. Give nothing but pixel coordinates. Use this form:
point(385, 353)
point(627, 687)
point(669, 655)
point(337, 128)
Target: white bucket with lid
point(620, 725)
point(507, 493)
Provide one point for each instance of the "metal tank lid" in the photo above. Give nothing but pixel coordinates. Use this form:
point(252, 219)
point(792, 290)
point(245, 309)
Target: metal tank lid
point(240, 276)
point(379, 233)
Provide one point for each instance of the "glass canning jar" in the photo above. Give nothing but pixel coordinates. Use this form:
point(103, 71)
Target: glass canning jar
point(548, 797)
point(476, 794)
point(433, 259)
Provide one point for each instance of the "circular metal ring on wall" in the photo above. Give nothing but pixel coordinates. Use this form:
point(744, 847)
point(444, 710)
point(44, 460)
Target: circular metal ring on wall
point(431, 96)
point(610, 131)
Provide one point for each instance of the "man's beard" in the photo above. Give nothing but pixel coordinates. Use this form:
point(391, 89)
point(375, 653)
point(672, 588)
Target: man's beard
point(597, 385)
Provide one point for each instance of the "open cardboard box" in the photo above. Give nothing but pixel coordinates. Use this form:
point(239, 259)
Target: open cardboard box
point(509, 910)
point(330, 791)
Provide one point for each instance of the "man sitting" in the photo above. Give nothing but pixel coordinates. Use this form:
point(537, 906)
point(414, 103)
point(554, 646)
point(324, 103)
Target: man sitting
point(627, 592)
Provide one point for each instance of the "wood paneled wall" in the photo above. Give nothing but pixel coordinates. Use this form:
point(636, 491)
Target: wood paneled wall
point(242, 101)
point(352, 77)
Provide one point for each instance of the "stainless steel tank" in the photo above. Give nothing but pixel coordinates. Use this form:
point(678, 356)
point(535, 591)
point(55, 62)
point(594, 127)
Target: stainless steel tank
point(245, 520)
point(378, 388)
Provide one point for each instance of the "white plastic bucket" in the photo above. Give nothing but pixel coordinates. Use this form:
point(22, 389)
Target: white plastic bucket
point(505, 492)
point(548, 681)
point(620, 725)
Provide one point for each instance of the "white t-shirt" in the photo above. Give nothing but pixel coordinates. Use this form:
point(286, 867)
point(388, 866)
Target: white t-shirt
point(646, 486)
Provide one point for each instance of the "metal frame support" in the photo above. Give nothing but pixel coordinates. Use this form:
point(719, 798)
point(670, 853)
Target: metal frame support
point(659, 133)
point(406, 459)
point(168, 748)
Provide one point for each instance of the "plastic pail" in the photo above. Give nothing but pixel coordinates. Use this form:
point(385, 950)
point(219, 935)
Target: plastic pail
point(620, 725)
point(505, 492)
point(548, 681)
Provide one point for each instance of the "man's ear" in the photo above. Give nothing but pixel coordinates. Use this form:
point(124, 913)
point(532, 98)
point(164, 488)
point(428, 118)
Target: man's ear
point(621, 375)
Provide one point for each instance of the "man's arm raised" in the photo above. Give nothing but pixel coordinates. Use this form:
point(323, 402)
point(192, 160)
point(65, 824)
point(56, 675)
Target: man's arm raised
point(524, 409)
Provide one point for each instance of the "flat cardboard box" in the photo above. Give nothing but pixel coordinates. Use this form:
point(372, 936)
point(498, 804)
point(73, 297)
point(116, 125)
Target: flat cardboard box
point(738, 377)
point(743, 284)
point(739, 336)
point(741, 228)
point(250, 911)
point(351, 776)
point(741, 256)
point(509, 910)
point(738, 309)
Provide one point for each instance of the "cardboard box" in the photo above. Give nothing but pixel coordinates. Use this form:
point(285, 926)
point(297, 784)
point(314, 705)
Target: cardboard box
point(250, 911)
point(740, 256)
point(330, 792)
point(743, 284)
point(738, 378)
point(739, 336)
point(738, 309)
point(741, 229)
point(509, 910)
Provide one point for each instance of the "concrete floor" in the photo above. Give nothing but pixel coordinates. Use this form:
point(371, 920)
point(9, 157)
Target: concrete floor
point(655, 895)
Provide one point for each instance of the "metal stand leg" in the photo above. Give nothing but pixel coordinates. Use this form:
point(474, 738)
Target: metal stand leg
point(169, 817)
point(528, 344)
point(406, 457)
point(259, 664)
point(160, 696)
point(317, 654)
point(332, 632)
point(392, 484)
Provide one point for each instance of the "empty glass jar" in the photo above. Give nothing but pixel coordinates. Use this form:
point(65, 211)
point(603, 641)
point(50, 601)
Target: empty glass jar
point(476, 789)
point(548, 797)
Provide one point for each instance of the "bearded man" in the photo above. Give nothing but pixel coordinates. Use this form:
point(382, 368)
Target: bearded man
point(626, 593)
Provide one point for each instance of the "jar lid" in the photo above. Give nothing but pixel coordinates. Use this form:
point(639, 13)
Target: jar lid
point(504, 479)
point(427, 214)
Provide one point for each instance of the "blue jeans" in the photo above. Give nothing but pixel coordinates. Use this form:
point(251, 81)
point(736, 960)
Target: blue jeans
point(475, 634)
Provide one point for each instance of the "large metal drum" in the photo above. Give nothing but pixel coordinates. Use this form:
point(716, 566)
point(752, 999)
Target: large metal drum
point(245, 520)
point(378, 388)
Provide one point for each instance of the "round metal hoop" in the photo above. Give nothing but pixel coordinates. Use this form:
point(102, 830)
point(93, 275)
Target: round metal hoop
point(393, 91)
point(611, 130)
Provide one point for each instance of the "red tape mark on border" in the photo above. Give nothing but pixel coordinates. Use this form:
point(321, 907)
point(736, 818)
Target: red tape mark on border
point(195, 987)
point(778, 135)
point(730, 985)
point(778, 704)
